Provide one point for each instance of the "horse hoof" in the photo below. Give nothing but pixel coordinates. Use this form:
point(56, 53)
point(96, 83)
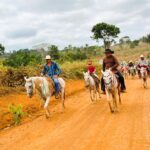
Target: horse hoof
point(47, 116)
point(112, 111)
point(117, 111)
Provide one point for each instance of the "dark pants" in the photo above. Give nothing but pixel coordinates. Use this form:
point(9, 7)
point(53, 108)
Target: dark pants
point(120, 78)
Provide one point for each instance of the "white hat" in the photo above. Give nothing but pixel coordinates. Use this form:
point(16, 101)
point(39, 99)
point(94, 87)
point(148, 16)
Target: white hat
point(48, 57)
point(142, 56)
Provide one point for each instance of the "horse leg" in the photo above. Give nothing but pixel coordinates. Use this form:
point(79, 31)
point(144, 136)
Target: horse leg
point(119, 95)
point(98, 91)
point(109, 99)
point(115, 100)
point(95, 94)
point(46, 107)
point(111, 110)
point(91, 95)
point(63, 98)
point(145, 82)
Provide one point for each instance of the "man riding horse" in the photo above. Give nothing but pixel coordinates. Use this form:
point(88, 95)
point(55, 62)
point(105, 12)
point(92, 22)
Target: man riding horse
point(142, 63)
point(132, 68)
point(51, 69)
point(111, 62)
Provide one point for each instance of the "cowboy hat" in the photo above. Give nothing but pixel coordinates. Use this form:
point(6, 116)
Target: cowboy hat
point(142, 56)
point(108, 51)
point(48, 57)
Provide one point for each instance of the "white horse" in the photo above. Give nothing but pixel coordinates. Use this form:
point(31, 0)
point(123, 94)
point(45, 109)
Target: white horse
point(144, 75)
point(112, 87)
point(89, 82)
point(45, 87)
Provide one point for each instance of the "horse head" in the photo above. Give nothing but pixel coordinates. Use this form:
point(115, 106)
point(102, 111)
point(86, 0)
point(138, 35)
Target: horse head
point(29, 86)
point(86, 78)
point(108, 78)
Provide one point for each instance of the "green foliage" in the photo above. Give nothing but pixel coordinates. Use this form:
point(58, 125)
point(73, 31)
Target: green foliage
point(134, 43)
point(106, 32)
point(146, 39)
point(72, 56)
point(23, 58)
point(54, 52)
point(74, 70)
point(17, 113)
point(2, 49)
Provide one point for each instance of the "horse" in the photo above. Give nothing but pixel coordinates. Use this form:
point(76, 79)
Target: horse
point(93, 88)
point(46, 89)
point(132, 71)
point(143, 72)
point(112, 88)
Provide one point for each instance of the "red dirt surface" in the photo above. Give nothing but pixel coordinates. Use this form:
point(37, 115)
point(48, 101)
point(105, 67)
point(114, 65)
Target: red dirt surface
point(88, 126)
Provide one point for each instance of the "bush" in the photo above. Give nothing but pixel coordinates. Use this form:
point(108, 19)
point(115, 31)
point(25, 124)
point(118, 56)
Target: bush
point(17, 113)
point(15, 77)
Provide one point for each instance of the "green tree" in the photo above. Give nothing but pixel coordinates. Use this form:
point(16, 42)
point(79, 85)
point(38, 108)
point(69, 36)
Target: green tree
point(134, 43)
point(54, 52)
point(23, 58)
point(146, 39)
point(106, 32)
point(2, 49)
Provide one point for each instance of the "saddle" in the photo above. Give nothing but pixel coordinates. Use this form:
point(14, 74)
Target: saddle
point(51, 85)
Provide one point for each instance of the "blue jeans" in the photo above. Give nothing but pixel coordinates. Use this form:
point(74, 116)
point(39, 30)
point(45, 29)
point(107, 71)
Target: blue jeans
point(57, 85)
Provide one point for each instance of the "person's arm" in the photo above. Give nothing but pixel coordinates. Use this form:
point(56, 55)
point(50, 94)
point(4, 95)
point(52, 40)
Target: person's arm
point(58, 69)
point(43, 71)
point(88, 69)
point(116, 64)
point(94, 68)
point(103, 66)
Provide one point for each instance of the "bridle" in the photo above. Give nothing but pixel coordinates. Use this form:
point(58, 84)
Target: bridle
point(108, 82)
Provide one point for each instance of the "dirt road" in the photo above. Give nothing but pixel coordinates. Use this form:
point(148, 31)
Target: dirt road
point(87, 126)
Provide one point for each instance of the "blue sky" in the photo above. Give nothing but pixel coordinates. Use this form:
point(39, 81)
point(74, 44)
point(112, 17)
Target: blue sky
point(25, 23)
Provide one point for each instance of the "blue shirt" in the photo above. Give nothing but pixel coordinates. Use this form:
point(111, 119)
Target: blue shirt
point(51, 70)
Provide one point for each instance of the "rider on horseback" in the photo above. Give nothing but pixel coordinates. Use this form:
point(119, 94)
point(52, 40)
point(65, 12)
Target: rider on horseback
point(131, 66)
point(111, 62)
point(91, 70)
point(51, 69)
point(142, 63)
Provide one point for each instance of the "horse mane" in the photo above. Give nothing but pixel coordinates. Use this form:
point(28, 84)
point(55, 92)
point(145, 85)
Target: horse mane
point(44, 85)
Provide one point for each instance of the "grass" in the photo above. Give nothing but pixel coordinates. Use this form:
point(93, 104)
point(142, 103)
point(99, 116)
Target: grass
point(127, 53)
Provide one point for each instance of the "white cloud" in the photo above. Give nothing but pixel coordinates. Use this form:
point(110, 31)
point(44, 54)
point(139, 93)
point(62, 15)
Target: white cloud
point(25, 23)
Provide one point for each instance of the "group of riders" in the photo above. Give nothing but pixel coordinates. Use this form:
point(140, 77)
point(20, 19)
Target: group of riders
point(133, 68)
point(51, 69)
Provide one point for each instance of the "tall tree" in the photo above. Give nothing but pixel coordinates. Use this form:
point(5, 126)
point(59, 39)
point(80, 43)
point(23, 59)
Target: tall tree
point(54, 52)
point(146, 39)
point(2, 49)
point(106, 32)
